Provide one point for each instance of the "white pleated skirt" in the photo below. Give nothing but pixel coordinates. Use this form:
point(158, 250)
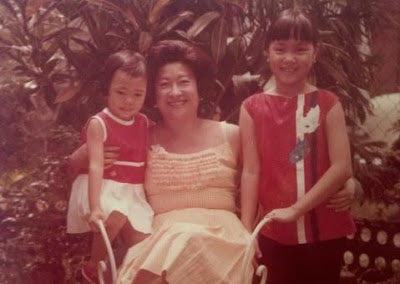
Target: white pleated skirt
point(128, 199)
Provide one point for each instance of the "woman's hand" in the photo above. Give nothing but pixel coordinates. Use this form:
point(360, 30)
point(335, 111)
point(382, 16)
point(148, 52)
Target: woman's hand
point(284, 215)
point(343, 199)
point(95, 215)
point(111, 154)
point(79, 158)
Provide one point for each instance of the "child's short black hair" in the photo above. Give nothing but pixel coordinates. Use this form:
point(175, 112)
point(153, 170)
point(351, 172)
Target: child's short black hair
point(292, 23)
point(128, 61)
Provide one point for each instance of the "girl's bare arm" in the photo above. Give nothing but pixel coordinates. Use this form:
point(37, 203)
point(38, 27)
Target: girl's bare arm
point(95, 138)
point(250, 172)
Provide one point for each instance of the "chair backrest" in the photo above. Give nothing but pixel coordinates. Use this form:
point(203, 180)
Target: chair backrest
point(373, 253)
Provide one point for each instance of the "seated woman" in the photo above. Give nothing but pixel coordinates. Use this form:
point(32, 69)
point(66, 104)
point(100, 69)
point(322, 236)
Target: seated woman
point(191, 181)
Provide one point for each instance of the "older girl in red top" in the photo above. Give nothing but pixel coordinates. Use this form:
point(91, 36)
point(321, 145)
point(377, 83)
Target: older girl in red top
point(296, 156)
point(114, 194)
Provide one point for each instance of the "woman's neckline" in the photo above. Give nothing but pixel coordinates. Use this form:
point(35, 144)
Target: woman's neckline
point(220, 143)
point(191, 153)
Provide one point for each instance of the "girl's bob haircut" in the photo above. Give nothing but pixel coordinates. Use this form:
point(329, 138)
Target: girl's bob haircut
point(129, 61)
point(292, 23)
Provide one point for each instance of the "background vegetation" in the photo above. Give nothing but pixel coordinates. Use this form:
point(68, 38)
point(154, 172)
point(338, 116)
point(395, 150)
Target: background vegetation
point(52, 52)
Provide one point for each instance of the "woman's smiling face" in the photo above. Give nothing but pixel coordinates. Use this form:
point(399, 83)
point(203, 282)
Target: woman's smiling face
point(176, 91)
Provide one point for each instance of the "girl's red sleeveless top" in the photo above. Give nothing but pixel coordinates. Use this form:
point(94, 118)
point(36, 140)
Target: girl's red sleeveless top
point(293, 149)
point(132, 139)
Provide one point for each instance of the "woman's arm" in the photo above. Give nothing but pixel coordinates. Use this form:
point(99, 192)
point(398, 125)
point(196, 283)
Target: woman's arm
point(342, 200)
point(251, 170)
point(79, 158)
point(339, 171)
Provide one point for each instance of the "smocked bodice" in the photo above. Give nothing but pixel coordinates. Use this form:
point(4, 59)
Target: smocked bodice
point(204, 179)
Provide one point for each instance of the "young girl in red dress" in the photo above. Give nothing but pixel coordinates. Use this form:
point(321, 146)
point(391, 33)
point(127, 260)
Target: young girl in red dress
point(296, 156)
point(114, 194)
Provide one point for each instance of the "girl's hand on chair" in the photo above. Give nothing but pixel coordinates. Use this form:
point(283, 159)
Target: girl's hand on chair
point(95, 215)
point(284, 215)
point(111, 154)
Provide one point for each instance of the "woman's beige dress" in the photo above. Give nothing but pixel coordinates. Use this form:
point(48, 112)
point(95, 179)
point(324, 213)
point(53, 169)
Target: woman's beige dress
point(197, 236)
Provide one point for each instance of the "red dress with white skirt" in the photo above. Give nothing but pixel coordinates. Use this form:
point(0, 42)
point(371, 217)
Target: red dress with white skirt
point(122, 187)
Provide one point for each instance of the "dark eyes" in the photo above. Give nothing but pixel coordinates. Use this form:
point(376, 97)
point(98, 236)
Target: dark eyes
point(163, 85)
point(124, 94)
point(167, 84)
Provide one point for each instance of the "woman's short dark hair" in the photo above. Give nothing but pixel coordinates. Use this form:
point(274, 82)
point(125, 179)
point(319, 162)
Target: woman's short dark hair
point(292, 23)
point(170, 51)
point(129, 61)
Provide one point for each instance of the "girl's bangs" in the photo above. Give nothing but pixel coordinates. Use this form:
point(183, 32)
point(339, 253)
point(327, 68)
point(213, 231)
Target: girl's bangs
point(297, 28)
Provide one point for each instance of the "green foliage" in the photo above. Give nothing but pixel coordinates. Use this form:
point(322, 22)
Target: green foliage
point(82, 34)
point(33, 203)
